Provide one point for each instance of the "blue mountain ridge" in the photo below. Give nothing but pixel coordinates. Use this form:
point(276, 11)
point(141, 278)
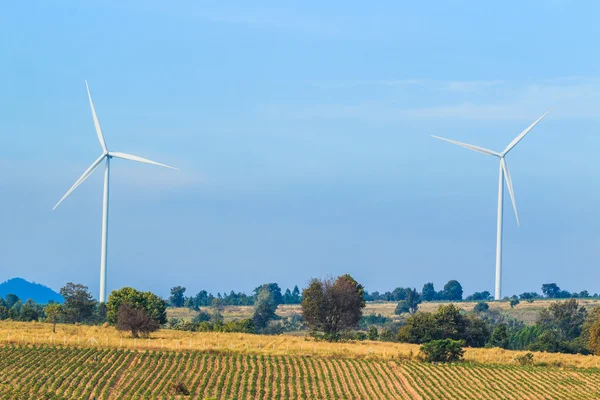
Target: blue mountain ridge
point(29, 290)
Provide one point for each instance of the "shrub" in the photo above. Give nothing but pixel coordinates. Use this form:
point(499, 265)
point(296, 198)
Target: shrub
point(481, 306)
point(135, 320)
point(373, 334)
point(444, 350)
point(180, 389)
point(525, 359)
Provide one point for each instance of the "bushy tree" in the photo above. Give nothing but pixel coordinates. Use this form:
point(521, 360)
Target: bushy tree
point(453, 291)
point(428, 292)
point(264, 308)
point(514, 301)
point(177, 298)
point(31, 311)
point(565, 318)
point(79, 304)
point(373, 333)
point(332, 306)
point(154, 306)
point(499, 337)
point(444, 350)
point(551, 290)
point(275, 291)
point(53, 313)
point(480, 296)
point(11, 300)
point(446, 323)
point(410, 304)
point(560, 327)
point(136, 320)
point(481, 306)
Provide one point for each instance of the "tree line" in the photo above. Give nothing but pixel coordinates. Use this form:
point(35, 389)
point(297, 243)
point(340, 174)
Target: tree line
point(206, 299)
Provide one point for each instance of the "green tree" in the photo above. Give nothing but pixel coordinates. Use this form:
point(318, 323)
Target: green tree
point(332, 306)
point(445, 350)
point(30, 311)
point(373, 334)
point(428, 292)
point(551, 290)
point(79, 304)
point(264, 308)
point(275, 291)
point(177, 298)
point(53, 313)
point(11, 300)
point(453, 291)
point(514, 302)
point(411, 302)
point(154, 306)
point(499, 337)
point(296, 295)
point(481, 306)
point(3, 312)
point(565, 318)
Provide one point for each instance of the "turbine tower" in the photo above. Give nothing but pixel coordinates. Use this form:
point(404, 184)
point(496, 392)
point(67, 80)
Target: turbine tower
point(504, 174)
point(106, 156)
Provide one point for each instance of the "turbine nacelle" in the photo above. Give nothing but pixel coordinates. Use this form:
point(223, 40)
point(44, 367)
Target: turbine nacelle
point(501, 156)
point(105, 153)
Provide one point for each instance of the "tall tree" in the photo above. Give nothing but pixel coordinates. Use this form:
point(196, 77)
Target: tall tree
point(332, 306)
point(551, 290)
point(11, 300)
point(177, 298)
point(264, 307)
point(428, 293)
point(53, 313)
point(296, 295)
point(453, 291)
point(79, 304)
point(274, 289)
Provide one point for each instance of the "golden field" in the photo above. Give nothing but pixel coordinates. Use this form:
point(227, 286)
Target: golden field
point(108, 337)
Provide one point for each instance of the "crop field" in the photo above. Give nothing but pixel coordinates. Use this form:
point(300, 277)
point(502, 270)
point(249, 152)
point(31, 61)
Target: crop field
point(57, 372)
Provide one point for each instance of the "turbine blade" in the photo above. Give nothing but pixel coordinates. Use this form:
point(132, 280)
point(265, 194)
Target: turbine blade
point(138, 159)
point(510, 188)
point(469, 146)
point(83, 177)
point(522, 134)
point(96, 122)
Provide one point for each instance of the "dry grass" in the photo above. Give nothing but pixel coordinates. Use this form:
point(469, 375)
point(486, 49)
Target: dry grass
point(95, 336)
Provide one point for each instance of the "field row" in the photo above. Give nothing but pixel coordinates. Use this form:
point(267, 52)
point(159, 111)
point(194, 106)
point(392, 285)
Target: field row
point(33, 372)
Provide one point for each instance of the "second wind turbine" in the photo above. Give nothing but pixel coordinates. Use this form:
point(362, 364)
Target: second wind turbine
point(504, 174)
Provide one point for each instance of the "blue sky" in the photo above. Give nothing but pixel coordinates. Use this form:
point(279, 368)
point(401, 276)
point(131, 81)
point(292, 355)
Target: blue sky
point(302, 131)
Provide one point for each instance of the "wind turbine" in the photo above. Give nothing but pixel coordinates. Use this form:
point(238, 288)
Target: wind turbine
point(504, 174)
point(106, 156)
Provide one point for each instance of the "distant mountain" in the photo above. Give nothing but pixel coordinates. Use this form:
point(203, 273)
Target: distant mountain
point(28, 290)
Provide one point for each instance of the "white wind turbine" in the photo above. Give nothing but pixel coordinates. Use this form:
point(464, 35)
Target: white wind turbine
point(106, 156)
point(504, 174)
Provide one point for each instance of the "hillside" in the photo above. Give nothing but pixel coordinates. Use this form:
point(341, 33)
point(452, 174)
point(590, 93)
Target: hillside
point(28, 290)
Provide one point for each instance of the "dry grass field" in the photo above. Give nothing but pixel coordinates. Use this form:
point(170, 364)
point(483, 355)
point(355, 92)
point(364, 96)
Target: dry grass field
point(35, 333)
point(56, 372)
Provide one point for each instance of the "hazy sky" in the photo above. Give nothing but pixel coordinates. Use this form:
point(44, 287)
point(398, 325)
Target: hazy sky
point(302, 130)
